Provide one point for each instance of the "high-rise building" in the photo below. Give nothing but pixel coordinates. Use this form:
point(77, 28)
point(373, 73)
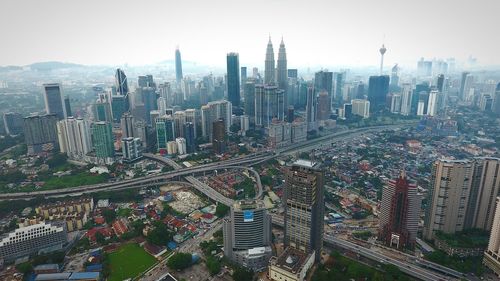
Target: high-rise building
point(144, 81)
point(179, 121)
point(181, 146)
point(396, 103)
point(165, 131)
point(219, 136)
point(212, 112)
point(131, 149)
point(304, 207)
point(250, 100)
point(290, 115)
point(74, 137)
point(378, 88)
point(432, 106)
point(399, 213)
point(32, 239)
point(311, 109)
point(448, 197)
point(40, 133)
point(192, 117)
point(247, 235)
point(361, 108)
point(323, 106)
point(13, 123)
point(492, 253)
point(121, 83)
point(496, 100)
point(127, 124)
point(269, 70)
point(101, 111)
point(67, 106)
point(189, 135)
point(233, 79)
point(394, 83)
point(178, 66)
point(463, 81)
point(269, 104)
point(102, 140)
point(281, 71)
point(347, 110)
point(54, 103)
point(293, 73)
point(243, 75)
point(406, 99)
point(323, 81)
point(339, 78)
point(119, 105)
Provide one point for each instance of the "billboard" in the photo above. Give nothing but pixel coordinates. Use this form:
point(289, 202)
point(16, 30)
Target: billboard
point(247, 216)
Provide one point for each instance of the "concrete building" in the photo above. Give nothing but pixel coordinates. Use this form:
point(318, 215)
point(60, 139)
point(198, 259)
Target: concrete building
point(291, 265)
point(396, 103)
point(324, 110)
point(269, 105)
point(13, 123)
point(279, 134)
point(432, 106)
point(361, 108)
point(164, 131)
point(214, 111)
point(311, 109)
point(127, 124)
point(74, 137)
point(219, 136)
point(53, 98)
point(40, 133)
point(233, 79)
point(172, 148)
point(247, 235)
point(269, 70)
point(406, 99)
point(102, 140)
point(131, 149)
point(181, 146)
point(492, 253)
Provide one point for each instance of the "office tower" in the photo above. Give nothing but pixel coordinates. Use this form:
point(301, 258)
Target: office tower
point(121, 83)
point(432, 103)
point(244, 124)
point(101, 111)
point(358, 90)
point(33, 239)
point(67, 106)
point(192, 117)
point(323, 106)
point(74, 137)
point(127, 124)
point(171, 147)
point(144, 81)
point(485, 188)
point(399, 213)
point(339, 78)
point(492, 253)
point(281, 73)
point(269, 104)
point(13, 123)
point(293, 73)
point(406, 99)
point(54, 103)
point(119, 105)
point(144, 134)
point(424, 68)
point(290, 116)
point(233, 79)
point(440, 83)
point(496, 102)
point(395, 77)
point(448, 197)
point(378, 88)
point(347, 110)
point(181, 146)
point(304, 207)
point(361, 108)
point(255, 73)
point(102, 140)
point(463, 90)
point(164, 131)
point(311, 109)
point(219, 136)
point(162, 106)
point(179, 121)
point(250, 100)
point(131, 149)
point(269, 64)
point(243, 71)
point(278, 134)
point(323, 81)
point(382, 53)
point(212, 112)
point(486, 103)
point(247, 235)
point(40, 133)
point(298, 131)
point(189, 135)
point(396, 103)
point(420, 93)
point(178, 66)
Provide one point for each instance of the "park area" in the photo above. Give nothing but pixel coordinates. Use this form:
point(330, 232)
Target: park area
point(129, 261)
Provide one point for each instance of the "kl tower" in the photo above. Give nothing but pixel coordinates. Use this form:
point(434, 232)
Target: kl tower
point(382, 52)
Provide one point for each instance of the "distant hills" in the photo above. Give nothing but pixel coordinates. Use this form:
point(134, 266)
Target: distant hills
point(42, 66)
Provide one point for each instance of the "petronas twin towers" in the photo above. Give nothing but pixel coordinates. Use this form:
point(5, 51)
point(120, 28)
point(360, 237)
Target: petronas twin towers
point(276, 76)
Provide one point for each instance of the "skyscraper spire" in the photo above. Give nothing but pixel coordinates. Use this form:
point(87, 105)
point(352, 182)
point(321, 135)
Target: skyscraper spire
point(282, 75)
point(269, 64)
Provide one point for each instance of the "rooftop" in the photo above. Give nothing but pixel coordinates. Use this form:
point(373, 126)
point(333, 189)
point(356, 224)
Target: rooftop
point(305, 163)
point(291, 260)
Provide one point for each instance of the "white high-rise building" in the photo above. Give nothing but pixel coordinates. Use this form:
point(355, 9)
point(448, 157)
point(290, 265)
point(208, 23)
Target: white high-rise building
point(361, 107)
point(172, 147)
point(396, 103)
point(131, 149)
point(162, 106)
point(432, 103)
point(406, 99)
point(492, 253)
point(74, 137)
point(181, 146)
point(214, 111)
point(421, 108)
point(244, 124)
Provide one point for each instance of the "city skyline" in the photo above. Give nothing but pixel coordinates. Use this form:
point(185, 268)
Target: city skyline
point(82, 39)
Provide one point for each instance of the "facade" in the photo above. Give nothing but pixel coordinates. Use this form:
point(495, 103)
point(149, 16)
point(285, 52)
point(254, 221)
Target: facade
point(178, 66)
point(492, 253)
point(165, 131)
point(13, 123)
point(361, 108)
point(127, 124)
point(250, 100)
point(53, 98)
point(323, 106)
point(233, 79)
point(396, 103)
point(304, 207)
point(432, 106)
point(119, 105)
point(40, 133)
point(121, 83)
point(74, 212)
point(378, 88)
point(214, 111)
point(74, 137)
point(279, 134)
point(269, 70)
point(311, 109)
point(448, 197)
point(101, 111)
point(269, 104)
point(323, 81)
point(102, 140)
point(281, 71)
point(189, 135)
point(32, 239)
point(399, 213)
point(219, 136)
point(179, 121)
point(181, 146)
point(247, 235)
point(67, 106)
point(406, 98)
point(131, 149)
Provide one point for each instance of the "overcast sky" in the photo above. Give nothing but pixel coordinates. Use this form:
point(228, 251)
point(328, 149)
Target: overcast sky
point(316, 33)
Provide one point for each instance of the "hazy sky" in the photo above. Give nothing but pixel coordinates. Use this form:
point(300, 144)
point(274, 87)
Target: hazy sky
point(316, 33)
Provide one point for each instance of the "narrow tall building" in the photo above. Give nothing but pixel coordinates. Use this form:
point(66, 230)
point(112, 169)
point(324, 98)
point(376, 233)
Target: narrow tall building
point(40, 133)
point(233, 79)
point(399, 213)
point(53, 98)
point(219, 136)
point(269, 104)
point(74, 137)
point(304, 207)
point(269, 69)
point(102, 140)
point(378, 88)
point(178, 66)
point(492, 253)
point(282, 73)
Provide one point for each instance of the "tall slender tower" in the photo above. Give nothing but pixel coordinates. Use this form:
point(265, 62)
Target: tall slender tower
point(269, 64)
point(178, 66)
point(382, 52)
point(54, 101)
point(233, 78)
point(282, 73)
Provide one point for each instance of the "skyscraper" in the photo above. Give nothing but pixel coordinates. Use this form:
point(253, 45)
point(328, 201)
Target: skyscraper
point(496, 103)
point(178, 66)
point(67, 106)
point(250, 100)
point(323, 106)
point(102, 140)
point(339, 78)
point(40, 133)
point(311, 109)
point(269, 104)
point(492, 253)
point(54, 103)
point(269, 64)
point(131, 149)
point(121, 83)
point(13, 123)
point(189, 135)
point(243, 75)
point(432, 106)
point(399, 213)
point(462, 85)
point(406, 99)
point(74, 137)
point(247, 235)
point(304, 207)
point(323, 81)
point(281, 73)
point(212, 112)
point(233, 79)
point(378, 88)
point(127, 124)
point(164, 131)
point(219, 136)
point(101, 111)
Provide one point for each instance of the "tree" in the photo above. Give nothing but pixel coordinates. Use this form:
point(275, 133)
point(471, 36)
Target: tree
point(242, 274)
point(99, 238)
point(179, 261)
point(109, 215)
point(57, 160)
point(160, 235)
point(213, 265)
point(221, 210)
